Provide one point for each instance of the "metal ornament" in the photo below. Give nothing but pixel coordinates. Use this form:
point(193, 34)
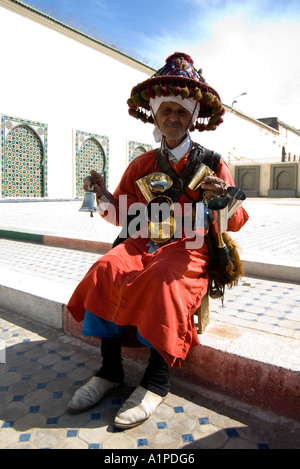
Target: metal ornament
point(89, 203)
point(159, 209)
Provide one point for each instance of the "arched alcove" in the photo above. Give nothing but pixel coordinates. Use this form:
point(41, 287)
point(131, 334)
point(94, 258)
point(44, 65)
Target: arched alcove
point(90, 155)
point(23, 159)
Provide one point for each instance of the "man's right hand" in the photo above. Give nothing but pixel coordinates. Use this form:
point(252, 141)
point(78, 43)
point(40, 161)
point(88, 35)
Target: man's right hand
point(96, 180)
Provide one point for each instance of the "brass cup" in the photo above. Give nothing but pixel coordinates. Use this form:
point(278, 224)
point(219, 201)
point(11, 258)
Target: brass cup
point(197, 179)
point(153, 184)
point(159, 182)
point(163, 231)
point(154, 213)
point(161, 222)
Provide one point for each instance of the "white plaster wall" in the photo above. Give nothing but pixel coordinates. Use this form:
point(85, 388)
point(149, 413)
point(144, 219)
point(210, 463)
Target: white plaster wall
point(265, 178)
point(241, 141)
point(291, 142)
point(48, 77)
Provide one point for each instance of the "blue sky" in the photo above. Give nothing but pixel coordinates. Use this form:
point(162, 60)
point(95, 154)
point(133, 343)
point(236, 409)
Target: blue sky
point(248, 46)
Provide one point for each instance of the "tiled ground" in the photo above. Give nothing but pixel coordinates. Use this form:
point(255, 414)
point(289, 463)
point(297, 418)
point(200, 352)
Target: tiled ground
point(57, 219)
point(59, 264)
point(271, 230)
point(263, 305)
point(43, 369)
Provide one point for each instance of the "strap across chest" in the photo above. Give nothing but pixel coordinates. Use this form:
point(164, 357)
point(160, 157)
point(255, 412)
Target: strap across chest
point(181, 180)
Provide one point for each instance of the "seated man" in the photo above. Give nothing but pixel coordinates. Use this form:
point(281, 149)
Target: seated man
point(153, 286)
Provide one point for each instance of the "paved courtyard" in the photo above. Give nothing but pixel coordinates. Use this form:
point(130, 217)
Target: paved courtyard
point(43, 366)
point(43, 369)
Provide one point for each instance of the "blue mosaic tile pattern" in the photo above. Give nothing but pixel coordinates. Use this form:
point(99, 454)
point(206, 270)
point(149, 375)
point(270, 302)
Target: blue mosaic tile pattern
point(33, 410)
point(24, 158)
point(92, 152)
point(263, 305)
point(135, 149)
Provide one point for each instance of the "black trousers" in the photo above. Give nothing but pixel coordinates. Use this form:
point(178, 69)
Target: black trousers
point(156, 377)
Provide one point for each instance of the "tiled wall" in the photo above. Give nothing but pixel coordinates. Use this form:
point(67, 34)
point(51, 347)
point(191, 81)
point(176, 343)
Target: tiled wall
point(24, 158)
point(136, 148)
point(92, 152)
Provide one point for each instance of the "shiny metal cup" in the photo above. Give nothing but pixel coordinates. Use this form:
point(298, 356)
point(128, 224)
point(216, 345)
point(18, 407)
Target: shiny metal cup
point(219, 209)
point(235, 197)
point(153, 184)
point(197, 179)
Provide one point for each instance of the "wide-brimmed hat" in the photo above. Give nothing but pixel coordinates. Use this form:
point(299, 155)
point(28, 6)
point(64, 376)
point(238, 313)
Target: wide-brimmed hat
point(178, 77)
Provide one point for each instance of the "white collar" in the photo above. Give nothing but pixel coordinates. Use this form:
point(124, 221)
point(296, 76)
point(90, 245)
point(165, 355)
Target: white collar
point(177, 153)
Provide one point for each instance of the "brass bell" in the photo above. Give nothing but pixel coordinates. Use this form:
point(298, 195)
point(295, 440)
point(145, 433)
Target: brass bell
point(89, 204)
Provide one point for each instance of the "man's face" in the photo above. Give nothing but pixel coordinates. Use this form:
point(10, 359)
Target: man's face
point(173, 121)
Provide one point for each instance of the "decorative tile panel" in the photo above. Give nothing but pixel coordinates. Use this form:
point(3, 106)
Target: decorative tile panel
point(135, 149)
point(24, 158)
point(283, 180)
point(92, 152)
point(247, 179)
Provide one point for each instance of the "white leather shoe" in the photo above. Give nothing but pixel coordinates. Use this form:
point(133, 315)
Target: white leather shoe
point(137, 408)
point(90, 394)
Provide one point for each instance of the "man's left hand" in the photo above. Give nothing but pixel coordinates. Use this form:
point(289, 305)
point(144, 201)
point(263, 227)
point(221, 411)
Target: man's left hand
point(213, 187)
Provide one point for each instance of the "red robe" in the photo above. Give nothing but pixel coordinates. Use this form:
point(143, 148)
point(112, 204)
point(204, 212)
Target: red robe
point(157, 293)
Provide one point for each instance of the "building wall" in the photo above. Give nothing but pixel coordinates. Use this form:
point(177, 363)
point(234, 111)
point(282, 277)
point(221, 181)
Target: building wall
point(244, 140)
point(54, 80)
point(280, 179)
point(290, 143)
point(67, 89)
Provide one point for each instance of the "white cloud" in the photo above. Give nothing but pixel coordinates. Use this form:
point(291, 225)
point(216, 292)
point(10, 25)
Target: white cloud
point(260, 59)
point(240, 54)
point(249, 45)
